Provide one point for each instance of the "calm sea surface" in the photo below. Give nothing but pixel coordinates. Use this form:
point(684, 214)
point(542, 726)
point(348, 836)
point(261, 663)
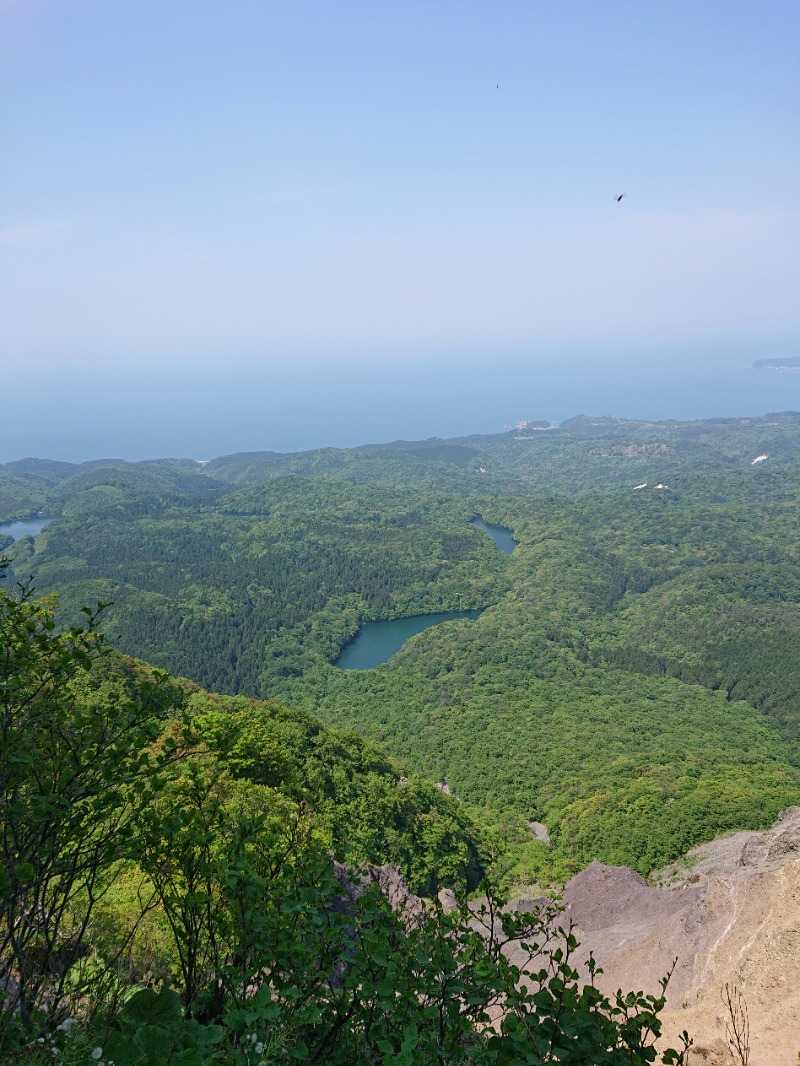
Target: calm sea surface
point(219, 408)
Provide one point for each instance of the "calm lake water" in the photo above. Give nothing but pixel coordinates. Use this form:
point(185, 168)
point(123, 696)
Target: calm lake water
point(499, 534)
point(376, 642)
point(28, 528)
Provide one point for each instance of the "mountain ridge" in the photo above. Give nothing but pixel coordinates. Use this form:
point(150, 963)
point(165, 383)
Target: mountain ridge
point(567, 459)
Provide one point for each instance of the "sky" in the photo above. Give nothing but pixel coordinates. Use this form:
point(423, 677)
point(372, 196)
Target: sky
point(261, 225)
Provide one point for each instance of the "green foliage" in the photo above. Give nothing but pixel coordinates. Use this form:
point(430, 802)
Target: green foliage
point(356, 983)
point(279, 955)
point(633, 683)
point(223, 852)
point(264, 583)
point(73, 777)
point(151, 1030)
point(369, 809)
point(422, 990)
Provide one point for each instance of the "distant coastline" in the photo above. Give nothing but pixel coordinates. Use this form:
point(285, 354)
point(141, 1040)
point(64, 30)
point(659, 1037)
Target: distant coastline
point(792, 363)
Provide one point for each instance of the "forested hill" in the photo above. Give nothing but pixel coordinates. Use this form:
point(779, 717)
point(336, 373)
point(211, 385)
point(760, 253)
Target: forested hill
point(634, 679)
point(170, 890)
point(582, 455)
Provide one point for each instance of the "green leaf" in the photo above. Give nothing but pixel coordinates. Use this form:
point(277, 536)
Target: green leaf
point(153, 1008)
point(299, 1052)
point(24, 872)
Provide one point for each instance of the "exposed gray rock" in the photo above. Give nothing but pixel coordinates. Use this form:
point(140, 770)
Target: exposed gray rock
point(448, 900)
point(539, 831)
point(776, 845)
point(355, 881)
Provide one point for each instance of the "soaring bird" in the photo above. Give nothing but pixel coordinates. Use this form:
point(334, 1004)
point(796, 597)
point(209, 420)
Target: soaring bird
point(618, 198)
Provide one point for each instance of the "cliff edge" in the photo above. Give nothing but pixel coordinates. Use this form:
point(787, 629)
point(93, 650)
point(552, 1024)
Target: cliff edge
point(730, 914)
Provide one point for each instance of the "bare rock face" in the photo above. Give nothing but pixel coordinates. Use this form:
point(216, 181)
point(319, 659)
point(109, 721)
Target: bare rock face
point(614, 897)
point(778, 846)
point(732, 916)
point(448, 900)
point(354, 882)
point(539, 832)
point(393, 887)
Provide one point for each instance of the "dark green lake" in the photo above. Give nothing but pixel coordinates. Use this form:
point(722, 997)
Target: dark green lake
point(499, 534)
point(375, 642)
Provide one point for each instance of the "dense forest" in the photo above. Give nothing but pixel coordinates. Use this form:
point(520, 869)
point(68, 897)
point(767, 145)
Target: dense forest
point(632, 681)
point(184, 882)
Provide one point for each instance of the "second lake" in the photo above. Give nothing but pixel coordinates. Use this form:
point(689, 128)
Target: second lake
point(28, 527)
point(502, 536)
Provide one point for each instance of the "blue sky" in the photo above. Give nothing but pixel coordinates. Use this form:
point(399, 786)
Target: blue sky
point(358, 212)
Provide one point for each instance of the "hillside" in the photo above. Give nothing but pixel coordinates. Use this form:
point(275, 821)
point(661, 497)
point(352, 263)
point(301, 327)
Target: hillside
point(170, 891)
point(633, 679)
point(581, 456)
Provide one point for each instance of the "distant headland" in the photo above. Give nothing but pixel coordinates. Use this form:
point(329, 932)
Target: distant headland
point(792, 363)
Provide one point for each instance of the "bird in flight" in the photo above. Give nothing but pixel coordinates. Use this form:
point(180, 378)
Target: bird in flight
point(618, 198)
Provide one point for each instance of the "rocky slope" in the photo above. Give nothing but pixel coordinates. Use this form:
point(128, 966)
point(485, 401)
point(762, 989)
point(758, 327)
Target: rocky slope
point(729, 914)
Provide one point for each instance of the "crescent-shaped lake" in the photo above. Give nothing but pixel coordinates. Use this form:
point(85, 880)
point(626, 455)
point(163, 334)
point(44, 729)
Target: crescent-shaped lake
point(500, 535)
point(375, 642)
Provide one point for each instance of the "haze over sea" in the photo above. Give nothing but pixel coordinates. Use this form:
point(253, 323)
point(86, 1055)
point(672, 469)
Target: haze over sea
point(217, 410)
point(263, 226)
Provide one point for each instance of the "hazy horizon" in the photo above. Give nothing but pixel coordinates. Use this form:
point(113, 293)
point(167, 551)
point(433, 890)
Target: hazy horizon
point(266, 226)
point(287, 413)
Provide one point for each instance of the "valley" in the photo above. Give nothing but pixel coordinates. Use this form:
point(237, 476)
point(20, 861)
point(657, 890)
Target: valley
point(611, 681)
point(631, 680)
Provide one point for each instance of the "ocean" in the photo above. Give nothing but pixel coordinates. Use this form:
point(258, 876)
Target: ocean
point(217, 408)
